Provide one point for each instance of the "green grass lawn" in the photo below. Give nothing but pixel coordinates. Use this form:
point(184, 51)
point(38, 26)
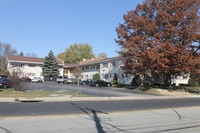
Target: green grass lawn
point(149, 90)
point(12, 93)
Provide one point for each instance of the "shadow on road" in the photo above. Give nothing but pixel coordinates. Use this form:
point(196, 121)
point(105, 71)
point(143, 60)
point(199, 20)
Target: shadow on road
point(93, 114)
point(6, 131)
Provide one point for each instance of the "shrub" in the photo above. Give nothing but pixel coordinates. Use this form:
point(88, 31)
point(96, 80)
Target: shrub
point(16, 83)
point(115, 81)
point(96, 76)
point(193, 82)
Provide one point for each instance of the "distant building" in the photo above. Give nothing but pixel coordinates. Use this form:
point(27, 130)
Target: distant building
point(28, 66)
point(106, 68)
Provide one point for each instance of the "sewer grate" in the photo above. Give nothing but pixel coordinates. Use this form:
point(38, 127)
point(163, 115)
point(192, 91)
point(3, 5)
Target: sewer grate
point(30, 100)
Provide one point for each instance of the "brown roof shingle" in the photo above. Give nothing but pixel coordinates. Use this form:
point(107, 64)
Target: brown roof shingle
point(25, 59)
point(30, 59)
point(98, 60)
point(91, 60)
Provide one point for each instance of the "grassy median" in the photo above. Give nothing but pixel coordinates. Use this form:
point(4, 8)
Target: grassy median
point(12, 94)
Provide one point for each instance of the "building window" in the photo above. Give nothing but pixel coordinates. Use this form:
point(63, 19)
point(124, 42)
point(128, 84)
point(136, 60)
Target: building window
point(124, 75)
point(113, 63)
point(31, 65)
point(93, 67)
point(31, 74)
point(105, 65)
point(106, 76)
point(184, 77)
point(98, 66)
point(87, 67)
point(17, 65)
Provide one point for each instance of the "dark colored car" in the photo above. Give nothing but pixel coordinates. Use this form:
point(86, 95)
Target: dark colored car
point(25, 79)
point(3, 76)
point(5, 82)
point(86, 82)
point(97, 83)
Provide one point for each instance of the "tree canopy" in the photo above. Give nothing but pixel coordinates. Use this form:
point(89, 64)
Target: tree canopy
point(161, 36)
point(5, 50)
point(76, 53)
point(21, 54)
point(50, 66)
point(104, 55)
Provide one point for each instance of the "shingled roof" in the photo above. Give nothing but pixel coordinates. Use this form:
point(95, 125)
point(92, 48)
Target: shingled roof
point(30, 59)
point(91, 60)
point(59, 61)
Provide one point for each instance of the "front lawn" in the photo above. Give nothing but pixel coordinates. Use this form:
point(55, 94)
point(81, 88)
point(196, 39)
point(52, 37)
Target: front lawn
point(175, 91)
point(13, 94)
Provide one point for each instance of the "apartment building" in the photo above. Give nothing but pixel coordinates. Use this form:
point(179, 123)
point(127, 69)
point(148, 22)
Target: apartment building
point(106, 68)
point(29, 66)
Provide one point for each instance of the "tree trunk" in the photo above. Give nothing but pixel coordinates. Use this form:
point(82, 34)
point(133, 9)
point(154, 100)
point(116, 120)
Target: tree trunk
point(77, 93)
point(167, 80)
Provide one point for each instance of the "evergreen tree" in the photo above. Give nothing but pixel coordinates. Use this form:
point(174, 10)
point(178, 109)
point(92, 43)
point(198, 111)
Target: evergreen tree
point(50, 66)
point(21, 54)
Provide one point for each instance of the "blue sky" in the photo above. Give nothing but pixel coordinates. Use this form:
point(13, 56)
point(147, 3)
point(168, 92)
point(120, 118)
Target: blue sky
point(42, 25)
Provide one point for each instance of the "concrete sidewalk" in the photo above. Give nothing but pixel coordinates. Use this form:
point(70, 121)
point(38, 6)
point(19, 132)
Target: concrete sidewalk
point(68, 98)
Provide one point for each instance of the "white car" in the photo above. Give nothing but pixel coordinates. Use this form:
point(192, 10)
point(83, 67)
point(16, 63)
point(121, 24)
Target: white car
point(37, 80)
point(61, 79)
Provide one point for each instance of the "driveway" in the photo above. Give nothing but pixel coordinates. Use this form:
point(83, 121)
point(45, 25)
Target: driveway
point(87, 90)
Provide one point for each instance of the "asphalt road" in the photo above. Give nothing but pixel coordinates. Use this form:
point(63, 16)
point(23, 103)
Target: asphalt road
point(52, 108)
point(85, 89)
point(176, 120)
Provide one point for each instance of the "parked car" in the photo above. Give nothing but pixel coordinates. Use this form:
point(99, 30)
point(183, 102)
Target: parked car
point(37, 80)
point(86, 81)
point(3, 76)
point(71, 81)
point(25, 79)
point(61, 79)
point(5, 82)
point(97, 83)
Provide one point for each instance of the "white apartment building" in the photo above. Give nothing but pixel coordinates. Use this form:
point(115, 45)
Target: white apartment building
point(29, 66)
point(106, 68)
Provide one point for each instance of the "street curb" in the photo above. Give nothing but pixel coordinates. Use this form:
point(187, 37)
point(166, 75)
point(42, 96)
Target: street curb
point(67, 99)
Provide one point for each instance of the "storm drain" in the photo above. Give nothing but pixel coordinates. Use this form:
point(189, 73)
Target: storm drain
point(26, 101)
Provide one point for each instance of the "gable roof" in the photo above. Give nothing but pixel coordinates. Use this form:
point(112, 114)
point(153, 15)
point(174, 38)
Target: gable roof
point(68, 64)
point(91, 60)
point(94, 61)
point(30, 59)
point(25, 59)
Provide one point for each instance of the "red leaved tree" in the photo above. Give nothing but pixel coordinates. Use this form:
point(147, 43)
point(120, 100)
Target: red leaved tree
point(162, 37)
